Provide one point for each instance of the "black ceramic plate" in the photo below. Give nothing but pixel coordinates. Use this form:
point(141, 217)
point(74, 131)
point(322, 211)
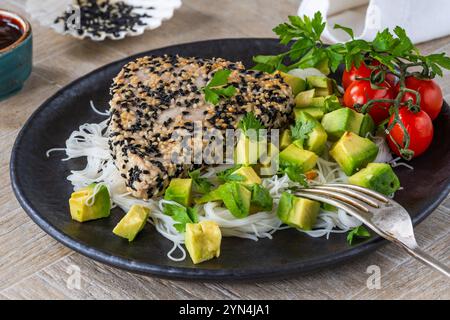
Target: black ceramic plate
point(41, 188)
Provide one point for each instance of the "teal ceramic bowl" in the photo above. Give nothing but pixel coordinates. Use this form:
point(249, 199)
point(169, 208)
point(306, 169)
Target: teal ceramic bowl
point(16, 60)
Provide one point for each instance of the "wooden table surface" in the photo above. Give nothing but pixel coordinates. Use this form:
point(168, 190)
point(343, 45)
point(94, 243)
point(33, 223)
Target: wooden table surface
point(34, 266)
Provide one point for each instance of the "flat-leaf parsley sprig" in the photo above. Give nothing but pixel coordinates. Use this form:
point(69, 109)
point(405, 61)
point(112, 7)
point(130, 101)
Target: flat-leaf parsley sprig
point(305, 49)
point(394, 51)
point(217, 88)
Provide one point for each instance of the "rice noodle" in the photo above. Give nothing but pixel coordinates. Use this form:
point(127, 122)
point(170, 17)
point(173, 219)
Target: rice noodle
point(91, 141)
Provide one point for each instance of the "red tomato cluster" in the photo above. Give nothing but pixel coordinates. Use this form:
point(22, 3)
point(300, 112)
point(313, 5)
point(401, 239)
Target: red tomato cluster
point(418, 124)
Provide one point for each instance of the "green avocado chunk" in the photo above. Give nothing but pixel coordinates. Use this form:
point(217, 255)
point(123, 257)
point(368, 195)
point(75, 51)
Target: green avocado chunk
point(286, 139)
point(249, 175)
point(298, 212)
point(353, 152)
point(317, 138)
point(377, 176)
point(293, 156)
point(322, 82)
point(213, 195)
point(367, 125)
point(339, 121)
point(202, 240)
point(179, 190)
point(297, 84)
point(248, 151)
point(304, 99)
point(84, 206)
point(316, 112)
point(132, 223)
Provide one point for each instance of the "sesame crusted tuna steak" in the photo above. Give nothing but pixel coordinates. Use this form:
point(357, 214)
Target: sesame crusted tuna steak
point(154, 96)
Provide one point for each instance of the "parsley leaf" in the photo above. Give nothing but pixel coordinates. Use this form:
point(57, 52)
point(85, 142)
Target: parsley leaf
point(201, 185)
point(347, 30)
point(295, 174)
point(307, 50)
point(250, 122)
point(301, 130)
point(227, 174)
point(219, 79)
point(358, 232)
point(182, 215)
point(217, 87)
point(261, 198)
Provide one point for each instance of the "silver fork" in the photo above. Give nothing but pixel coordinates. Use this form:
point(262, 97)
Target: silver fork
point(383, 215)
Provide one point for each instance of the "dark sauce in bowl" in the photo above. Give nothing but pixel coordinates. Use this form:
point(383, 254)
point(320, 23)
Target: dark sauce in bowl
point(10, 32)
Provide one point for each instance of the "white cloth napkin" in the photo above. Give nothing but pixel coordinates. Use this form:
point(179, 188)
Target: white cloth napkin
point(423, 20)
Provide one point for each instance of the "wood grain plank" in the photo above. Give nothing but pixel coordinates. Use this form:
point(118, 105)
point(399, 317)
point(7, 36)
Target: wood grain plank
point(75, 61)
point(104, 282)
point(413, 280)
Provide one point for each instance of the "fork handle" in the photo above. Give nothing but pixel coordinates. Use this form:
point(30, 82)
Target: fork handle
point(424, 257)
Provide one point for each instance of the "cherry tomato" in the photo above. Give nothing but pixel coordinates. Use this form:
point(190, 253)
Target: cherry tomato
point(361, 92)
point(363, 72)
point(430, 95)
point(419, 127)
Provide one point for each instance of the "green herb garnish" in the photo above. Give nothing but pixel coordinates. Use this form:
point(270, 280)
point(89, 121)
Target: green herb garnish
point(201, 185)
point(301, 130)
point(228, 175)
point(182, 215)
point(295, 174)
point(392, 49)
point(358, 232)
point(250, 122)
point(217, 88)
point(261, 198)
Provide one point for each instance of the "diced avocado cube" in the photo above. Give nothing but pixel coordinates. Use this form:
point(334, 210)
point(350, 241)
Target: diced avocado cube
point(286, 139)
point(85, 206)
point(251, 177)
point(318, 81)
point(298, 212)
point(202, 240)
point(269, 162)
point(236, 198)
point(297, 157)
point(318, 102)
point(248, 150)
point(179, 190)
point(362, 124)
point(317, 113)
point(337, 122)
point(367, 125)
point(353, 152)
point(304, 99)
point(261, 199)
point(132, 223)
point(297, 84)
point(323, 92)
point(378, 177)
point(213, 195)
point(317, 138)
point(270, 155)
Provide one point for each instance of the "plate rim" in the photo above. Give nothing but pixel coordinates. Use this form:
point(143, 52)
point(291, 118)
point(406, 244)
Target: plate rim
point(184, 272)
